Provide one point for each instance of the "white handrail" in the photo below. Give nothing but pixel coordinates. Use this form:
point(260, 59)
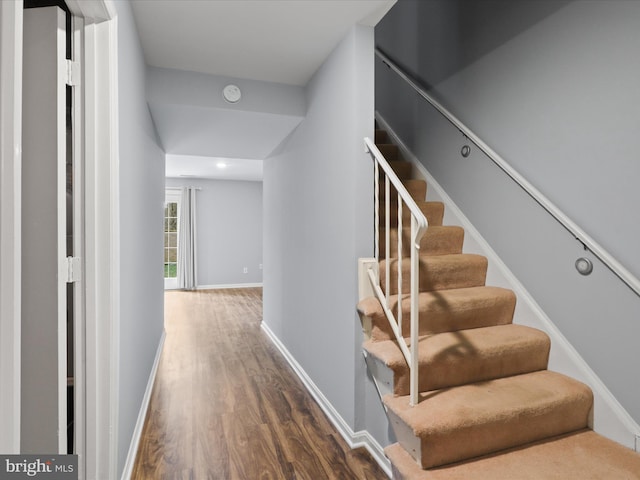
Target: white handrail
point(589, 243)
point(419, 226)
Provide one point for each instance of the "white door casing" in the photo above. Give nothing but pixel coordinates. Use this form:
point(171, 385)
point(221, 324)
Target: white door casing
point(99, 146)
point(11, 17)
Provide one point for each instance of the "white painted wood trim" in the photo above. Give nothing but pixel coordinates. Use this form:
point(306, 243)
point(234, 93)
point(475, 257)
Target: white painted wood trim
point(229, 285)
point(10, 222)
point(79, 372)
point(610, 419)
point(95, 11)
point(61, 235)
point(114, 229)
point(358, 439)
point(142, 414)
point(101, 245)
point(100, 129)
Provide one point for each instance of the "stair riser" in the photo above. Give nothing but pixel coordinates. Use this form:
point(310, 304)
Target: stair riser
point(479, 419)
point(436, 241)
point(579, 455)
point(389, 151)
point(437, 273)
point(434, 211)
point(457, 358)
point(416, 188)
point(446, 376)
point(439, 313)
point(442, 449)
point(381, 136)
point(468, 368)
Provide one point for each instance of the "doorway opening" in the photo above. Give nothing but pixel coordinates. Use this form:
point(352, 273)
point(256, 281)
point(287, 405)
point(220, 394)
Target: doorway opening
point(52, 231)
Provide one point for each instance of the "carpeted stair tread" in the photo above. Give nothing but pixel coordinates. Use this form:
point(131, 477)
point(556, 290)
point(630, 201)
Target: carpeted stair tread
point(434, 211)
point(444, 311)
point(381, 136)
point(416, 188)
point(439, 272)
point(466, 356)
point(437, 240)
point(463, 422)
point(402, 169)
point(389, 151)
point(581, 455)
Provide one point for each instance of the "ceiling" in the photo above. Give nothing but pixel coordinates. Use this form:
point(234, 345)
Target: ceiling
point(280, 41)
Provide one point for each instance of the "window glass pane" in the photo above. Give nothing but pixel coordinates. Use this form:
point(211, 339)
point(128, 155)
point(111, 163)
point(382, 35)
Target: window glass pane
point(173, 209)
point(172, 240)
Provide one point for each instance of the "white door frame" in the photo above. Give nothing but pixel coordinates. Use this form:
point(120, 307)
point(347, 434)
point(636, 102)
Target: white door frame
point(10, 222)
point(102, 255)
point(102, 235)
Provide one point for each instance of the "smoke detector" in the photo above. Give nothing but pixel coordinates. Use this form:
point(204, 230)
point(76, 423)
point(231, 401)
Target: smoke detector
point(232, 93)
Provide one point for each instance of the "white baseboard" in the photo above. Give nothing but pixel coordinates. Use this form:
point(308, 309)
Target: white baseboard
point(358, 439)
point(142, 414)
point(230, 285)
point(610, 419)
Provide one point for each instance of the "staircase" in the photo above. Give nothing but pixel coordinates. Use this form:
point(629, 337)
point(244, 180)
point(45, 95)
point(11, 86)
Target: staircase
point(488, 407)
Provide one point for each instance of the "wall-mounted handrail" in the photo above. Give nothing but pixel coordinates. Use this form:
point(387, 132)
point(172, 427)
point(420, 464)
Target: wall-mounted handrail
point(589, 243)
point(419, 226)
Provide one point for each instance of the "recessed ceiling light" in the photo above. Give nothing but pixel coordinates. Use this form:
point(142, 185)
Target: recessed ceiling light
point(221, 165)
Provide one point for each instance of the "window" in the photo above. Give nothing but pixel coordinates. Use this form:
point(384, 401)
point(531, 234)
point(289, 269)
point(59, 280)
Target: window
point(171, 212)
point(171, 240)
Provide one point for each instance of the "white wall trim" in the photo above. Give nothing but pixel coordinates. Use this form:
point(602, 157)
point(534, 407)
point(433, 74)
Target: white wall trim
point(358, 439)
point(142, 415)
point(228, 285)
point(114, 231)
point(610, 419)
point(10, 222)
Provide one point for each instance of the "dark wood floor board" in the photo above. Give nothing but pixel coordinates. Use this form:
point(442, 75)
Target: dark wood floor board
point(227, 406)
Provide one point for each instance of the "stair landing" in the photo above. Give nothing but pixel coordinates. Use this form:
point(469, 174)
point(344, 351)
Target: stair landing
point(582, 455)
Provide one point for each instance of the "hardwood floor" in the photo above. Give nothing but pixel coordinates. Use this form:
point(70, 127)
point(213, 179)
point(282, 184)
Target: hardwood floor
point(227, 406)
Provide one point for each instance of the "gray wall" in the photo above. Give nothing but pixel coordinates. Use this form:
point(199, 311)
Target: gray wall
point(317, 222)
point(229, 230)
point(141, 197)
point(551, 87)
point(192, 117)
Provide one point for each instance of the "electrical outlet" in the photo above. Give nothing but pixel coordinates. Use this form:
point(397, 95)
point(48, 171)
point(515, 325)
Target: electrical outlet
point(260, 266)
point(245, 270)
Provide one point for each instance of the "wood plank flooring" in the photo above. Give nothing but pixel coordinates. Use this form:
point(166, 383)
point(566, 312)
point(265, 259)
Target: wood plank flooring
point(227, 406)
